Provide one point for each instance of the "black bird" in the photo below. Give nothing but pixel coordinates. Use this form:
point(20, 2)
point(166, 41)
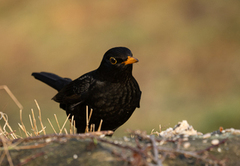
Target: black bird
point(110, 90)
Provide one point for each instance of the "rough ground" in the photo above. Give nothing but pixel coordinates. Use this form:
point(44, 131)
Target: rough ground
point(181, 145)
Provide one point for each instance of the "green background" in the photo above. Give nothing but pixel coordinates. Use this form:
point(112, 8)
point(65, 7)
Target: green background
point(188, 51)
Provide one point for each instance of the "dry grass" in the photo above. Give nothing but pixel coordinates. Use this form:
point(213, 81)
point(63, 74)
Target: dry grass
point(92, 126)
point(9, 133)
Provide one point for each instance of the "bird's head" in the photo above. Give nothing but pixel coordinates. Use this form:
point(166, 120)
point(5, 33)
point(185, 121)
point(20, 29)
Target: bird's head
point(117, 62)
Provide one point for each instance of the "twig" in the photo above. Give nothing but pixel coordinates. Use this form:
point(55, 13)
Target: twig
point(6, 122)
point(88, 119)
point(31, 124)
point(72, 125)
point(40, 117)
point(22, 126)
point(57, 121)
point(90, 115)
point(65, 130)
point(100, 125)
point(34, 122)
point(5, 146)
point(155, 151)
point(64, 124)
point(51, 125)
point(2, 157)
point(26, 160)
point(12, 96)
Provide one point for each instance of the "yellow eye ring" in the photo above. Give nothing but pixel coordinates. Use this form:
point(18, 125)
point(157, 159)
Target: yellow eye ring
point(112, 60)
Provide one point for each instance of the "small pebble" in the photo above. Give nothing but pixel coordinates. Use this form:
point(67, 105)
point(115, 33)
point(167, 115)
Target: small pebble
point(102, 135)
point(186, 145)
point(206, 135)
point(215, 142)
point(75, 156)
point(48, 140)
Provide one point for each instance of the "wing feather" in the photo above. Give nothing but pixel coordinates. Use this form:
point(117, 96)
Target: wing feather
point(75, 91)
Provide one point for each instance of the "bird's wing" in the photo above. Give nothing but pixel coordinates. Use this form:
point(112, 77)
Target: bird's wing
point(76, 91)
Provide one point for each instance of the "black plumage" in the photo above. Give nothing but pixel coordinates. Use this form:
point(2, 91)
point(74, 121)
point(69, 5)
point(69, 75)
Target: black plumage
point(110, 90)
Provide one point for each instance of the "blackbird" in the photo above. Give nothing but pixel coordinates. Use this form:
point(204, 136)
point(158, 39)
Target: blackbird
point(110, 90)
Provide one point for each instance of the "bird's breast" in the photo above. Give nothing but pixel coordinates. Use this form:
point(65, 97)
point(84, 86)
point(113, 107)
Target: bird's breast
point(111, 96)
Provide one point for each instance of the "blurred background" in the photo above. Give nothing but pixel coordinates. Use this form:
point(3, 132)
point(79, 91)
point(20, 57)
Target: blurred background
point(188, 51)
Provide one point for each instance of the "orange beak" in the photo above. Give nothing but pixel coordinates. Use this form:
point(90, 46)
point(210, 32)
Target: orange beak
point(130, 60)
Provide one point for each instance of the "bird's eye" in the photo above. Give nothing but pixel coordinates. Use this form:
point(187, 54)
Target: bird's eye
point(113, 60)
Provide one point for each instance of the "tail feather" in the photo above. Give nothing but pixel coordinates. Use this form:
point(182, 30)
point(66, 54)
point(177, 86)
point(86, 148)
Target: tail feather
point(52, 80)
